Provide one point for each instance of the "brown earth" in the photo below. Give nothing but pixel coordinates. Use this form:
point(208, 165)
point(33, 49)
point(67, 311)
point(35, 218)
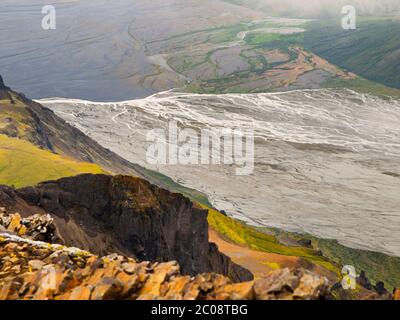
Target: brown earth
point(287, 74)
point(261, 263)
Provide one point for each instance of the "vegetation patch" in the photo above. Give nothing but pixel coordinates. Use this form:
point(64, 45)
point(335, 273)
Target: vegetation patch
point(23, 164)
point(262, 38)
point(371, 51)
point(171, 185)
point(243, 234)
point(377, 266)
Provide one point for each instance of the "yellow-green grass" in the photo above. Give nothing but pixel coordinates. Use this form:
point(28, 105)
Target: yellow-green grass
point(15, 113)
point(243, 234)
point(23, 164)
point(272, 265)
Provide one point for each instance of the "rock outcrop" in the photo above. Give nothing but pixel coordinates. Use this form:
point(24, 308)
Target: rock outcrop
point(4, 94)
point(41, 271)
point(396, 294)
point(105, 214)
point(37, 227)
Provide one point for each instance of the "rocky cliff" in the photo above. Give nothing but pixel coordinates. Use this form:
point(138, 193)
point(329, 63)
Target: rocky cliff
point(127, 215)
point(4, 94)
point(42, 271)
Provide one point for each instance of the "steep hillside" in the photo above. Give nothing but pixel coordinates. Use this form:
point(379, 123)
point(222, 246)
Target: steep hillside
point(36, 145)
point(371, 51)
point(318, 9)
point(327, 254)
point(32, 269)
point(27, 120)
point(24, 119)
point(23, 164)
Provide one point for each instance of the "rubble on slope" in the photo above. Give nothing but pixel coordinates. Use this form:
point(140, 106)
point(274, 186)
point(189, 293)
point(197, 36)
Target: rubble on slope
point(38, 270)
point(34, 266)
point(36, 227)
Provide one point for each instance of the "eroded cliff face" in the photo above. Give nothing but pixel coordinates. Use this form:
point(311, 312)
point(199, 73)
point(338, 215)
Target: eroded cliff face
point(4, 95)
point(127, 215)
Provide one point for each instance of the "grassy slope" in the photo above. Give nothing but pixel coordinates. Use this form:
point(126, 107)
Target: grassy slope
point(378, 266)
point(23, 164)
point(372, 51)
point(171, 185)
point(14, 118)
point(362, 85)
point(22, 160)
point(243, 234)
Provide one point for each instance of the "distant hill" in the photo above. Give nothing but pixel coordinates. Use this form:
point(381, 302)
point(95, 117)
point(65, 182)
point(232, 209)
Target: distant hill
point(372, 51)
point(318, 8)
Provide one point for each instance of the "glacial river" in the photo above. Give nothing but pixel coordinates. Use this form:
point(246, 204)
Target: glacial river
point(327, 162)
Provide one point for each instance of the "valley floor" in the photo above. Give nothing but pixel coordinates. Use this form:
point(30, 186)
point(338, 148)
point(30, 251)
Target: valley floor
point(332, 155)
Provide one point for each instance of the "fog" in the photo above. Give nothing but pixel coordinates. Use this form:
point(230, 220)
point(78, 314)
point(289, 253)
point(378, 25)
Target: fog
point(324, 8)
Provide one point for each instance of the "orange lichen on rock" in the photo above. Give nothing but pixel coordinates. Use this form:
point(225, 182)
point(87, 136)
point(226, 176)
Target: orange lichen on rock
point(42, 271)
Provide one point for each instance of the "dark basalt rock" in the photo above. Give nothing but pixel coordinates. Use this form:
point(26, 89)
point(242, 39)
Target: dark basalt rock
point(105, 214)
point(4, 94)
point(364, 281)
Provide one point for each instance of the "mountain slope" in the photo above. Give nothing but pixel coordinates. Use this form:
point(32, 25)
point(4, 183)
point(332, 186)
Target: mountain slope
point(317, 9)
point(372, 51)
point(25, 119)
point(26, 153)
point(23, 164)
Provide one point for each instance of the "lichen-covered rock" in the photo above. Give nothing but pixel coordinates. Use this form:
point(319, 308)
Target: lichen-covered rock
point(43, 271)
point(286, 284)
point(36, 227)
point(396, 294)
